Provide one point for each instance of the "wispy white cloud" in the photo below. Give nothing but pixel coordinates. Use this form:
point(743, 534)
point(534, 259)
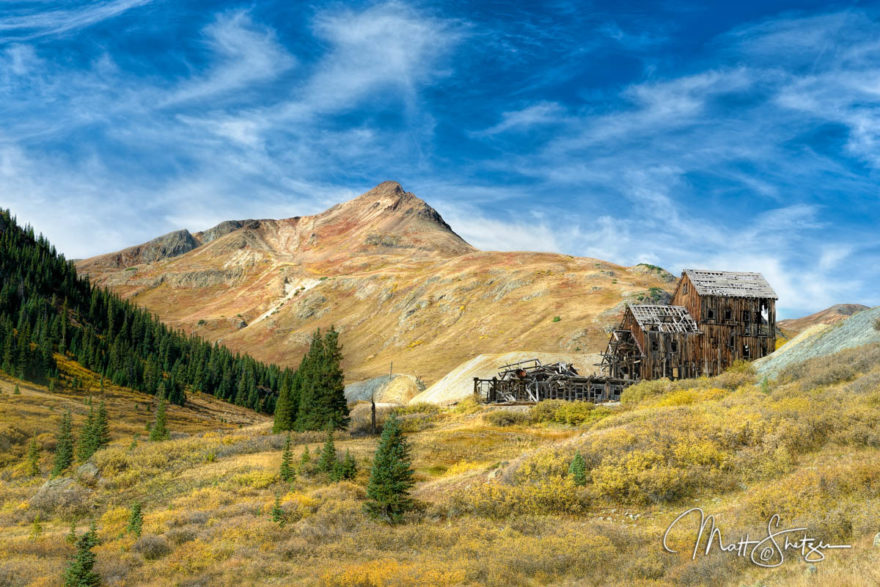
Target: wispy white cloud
point(710, 163)
point(34, 22)
point(245, 55)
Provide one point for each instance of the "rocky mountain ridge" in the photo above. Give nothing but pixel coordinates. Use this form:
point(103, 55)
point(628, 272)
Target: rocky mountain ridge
point(384, 268)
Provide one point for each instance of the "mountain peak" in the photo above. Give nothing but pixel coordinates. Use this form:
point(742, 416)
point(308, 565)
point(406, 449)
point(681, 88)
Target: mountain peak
point(388, 215)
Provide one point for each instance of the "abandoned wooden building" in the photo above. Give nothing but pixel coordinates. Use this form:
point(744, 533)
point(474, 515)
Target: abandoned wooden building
point(714, 319)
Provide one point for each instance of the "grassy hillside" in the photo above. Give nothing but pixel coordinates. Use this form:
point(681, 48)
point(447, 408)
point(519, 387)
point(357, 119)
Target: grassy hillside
point(498, 506)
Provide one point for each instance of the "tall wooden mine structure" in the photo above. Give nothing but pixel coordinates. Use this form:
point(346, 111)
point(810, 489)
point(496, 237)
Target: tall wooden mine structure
point(713, 319)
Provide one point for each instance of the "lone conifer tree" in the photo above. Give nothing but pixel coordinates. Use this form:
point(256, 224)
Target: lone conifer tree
point(87, 444)
point(287, 474)
point(391, 477)
point(33, 457)
point(278, 512)
point(79, 572)
point(578, 469)
point(159, 430)
point(63, 445)
point(135, 519)
point(101, 427)
point(327, 461)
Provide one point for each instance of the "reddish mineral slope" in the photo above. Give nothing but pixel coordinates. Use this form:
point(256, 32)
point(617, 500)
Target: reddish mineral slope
point(389, 273)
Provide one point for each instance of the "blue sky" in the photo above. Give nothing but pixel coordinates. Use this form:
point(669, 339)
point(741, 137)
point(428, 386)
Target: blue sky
point(741, 136)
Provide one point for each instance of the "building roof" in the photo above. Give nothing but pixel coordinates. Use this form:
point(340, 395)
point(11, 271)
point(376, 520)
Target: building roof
point(664, 318)
point(730, 283)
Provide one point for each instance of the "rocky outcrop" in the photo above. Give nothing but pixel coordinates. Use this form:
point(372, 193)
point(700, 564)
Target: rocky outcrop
point(62, 496)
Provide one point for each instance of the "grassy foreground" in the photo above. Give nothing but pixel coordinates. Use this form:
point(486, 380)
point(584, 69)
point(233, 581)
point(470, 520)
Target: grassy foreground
point(498, 505)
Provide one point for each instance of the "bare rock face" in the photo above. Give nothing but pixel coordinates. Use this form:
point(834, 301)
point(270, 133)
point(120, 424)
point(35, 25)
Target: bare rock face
point(166, 246)
point(88, 473)
point(62, 496)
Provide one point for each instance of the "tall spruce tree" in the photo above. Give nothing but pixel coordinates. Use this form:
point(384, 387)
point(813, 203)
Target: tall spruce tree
point(159, 429)
point(327, 461)
point(335, 406)
point(63, 445)
point(87, 443)
point(80, 570)
point(101, 427)
point(391, 476)
point(308, 413)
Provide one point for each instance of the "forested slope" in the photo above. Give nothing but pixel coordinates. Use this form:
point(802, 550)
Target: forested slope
point(46, 308)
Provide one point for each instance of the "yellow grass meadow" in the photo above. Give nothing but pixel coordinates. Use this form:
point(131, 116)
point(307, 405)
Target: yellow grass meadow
point(497, 505)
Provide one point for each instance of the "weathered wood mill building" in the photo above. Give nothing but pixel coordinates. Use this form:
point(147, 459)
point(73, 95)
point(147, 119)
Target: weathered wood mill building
point(714, 319)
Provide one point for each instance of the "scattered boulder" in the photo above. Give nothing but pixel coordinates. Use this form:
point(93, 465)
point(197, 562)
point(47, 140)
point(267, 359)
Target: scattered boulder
point(63, 496)
point(88, 474)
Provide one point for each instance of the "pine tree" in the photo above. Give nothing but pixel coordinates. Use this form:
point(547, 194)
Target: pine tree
point(346, 469)
point(63, 445)
point(79, 572)
point(135, 519)
point(16, 391)
point(391, 476)
point(578, 469)
point(287, 474)
point(278, 512)
point(159, 430)
point(327, 461)
point(33, 457)
point(87, 444)
point(335, 406)
point(309, 413)
point(101, 427)
point(282, 411)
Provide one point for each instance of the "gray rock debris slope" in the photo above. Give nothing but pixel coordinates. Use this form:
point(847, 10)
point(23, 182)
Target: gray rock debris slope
point(822, 341)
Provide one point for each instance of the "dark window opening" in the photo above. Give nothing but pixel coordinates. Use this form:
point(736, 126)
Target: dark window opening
point(684, 288)
point(728, 314)
point(710, 314)
point(746, 352)
point(673, 346)
point(654, 345)
point(747, 316)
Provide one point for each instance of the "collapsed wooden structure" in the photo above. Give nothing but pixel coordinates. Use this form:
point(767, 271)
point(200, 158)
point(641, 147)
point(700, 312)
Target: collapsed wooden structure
point(713, 319)
point(530, 381)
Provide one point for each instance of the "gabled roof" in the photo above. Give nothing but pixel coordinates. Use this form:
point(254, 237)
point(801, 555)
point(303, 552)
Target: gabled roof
point(664, 318)
point(730, 283)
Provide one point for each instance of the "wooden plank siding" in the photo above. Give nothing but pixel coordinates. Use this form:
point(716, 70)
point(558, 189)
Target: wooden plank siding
point(734, 328)
point(663, 354)
point(731, 328)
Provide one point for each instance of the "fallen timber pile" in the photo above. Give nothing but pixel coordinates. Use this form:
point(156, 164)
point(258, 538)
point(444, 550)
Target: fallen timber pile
point(531, 382)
